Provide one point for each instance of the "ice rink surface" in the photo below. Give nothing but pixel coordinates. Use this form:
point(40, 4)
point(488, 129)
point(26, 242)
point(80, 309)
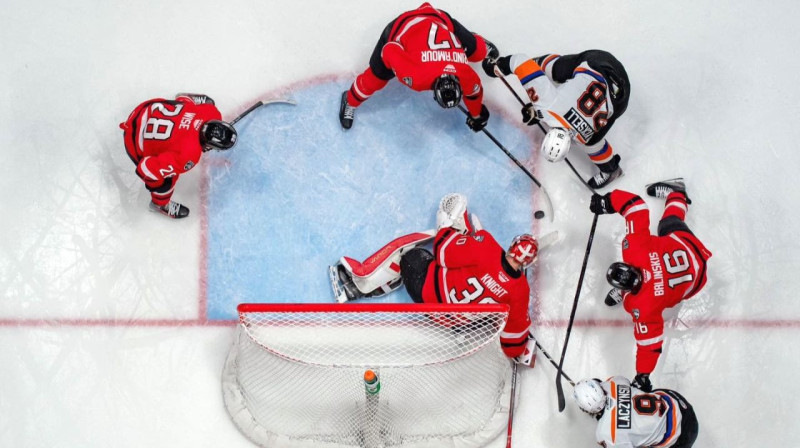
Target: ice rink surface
point(114, 322)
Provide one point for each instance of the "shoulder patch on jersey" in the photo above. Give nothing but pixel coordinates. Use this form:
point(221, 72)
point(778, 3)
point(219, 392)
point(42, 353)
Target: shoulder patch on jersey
point(625, 244)
point(478, 238)
point(449, 68)
point(197, 124)
point(503, 278)
point(636, 314)
point(407, 80)
point(647, 276)
point(475, 89)
point(189, 165)
point(580, 125)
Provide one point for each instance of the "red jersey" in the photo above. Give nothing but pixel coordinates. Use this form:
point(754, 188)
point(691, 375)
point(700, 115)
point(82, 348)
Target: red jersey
point(423, 44)
point(162, 136)
point(470, 269)
point(673, 268)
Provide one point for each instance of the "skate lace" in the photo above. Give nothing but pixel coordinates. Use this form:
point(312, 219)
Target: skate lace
point(662, 191)
point(174, 208)
point(349, 111)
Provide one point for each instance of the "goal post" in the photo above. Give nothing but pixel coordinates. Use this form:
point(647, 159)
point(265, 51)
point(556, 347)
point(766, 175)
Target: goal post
point(368, 375)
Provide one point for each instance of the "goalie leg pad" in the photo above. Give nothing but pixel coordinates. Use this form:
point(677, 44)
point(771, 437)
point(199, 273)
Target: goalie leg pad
point(381, 271)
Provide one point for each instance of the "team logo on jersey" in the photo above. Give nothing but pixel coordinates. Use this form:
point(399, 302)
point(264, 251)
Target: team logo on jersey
point(475, 89)
point(623, 406)
point(407, 81)
point(579, 124)
point(189, 165)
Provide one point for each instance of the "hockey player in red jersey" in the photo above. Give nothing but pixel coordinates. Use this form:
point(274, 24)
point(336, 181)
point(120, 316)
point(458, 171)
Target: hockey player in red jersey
point(467, 266)
point(426, 49)
point(579, 97)
point(657, 272)
point(629, 417)
point(165, 138)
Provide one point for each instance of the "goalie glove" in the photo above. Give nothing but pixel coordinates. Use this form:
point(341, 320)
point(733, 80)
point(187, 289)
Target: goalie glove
point(453, 213)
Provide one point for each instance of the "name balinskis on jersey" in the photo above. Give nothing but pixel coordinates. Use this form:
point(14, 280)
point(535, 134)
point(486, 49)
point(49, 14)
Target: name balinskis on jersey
point(580, 125)
point(443, 56)
point(623, 407)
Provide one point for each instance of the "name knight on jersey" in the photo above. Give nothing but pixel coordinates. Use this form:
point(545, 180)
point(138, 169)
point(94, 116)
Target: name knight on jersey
point(493, 286)
point(623, 406)
point(658, 274)
point(443, 56)
point(580, 125)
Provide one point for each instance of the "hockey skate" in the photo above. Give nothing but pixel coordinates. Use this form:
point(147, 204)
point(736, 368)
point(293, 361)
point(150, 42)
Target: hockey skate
point(609, 171)
point(662, 189)
point(614, 297)
point(347, 112)
point(173, 210)
point(345, 290)
point(602, 179)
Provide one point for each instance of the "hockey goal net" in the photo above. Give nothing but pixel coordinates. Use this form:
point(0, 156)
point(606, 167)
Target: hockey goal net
point(295, 375)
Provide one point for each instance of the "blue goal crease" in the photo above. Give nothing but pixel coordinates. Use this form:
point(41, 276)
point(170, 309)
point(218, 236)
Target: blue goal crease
point(298, 192)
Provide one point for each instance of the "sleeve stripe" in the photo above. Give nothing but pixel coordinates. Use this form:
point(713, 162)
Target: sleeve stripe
point(507, 335)
point(635, 209)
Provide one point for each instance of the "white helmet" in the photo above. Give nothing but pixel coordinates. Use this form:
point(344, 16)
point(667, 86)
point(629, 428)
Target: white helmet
point(590, 396)
point(555, 145)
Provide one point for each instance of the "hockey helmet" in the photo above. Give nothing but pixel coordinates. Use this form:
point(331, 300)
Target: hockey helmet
point(590, 396)
point(524, 249)
point(447, 91)
point(624, 277)
point(556, 143)
point(217, 134)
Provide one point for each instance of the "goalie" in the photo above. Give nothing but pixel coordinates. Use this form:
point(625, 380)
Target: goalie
point(467, 266)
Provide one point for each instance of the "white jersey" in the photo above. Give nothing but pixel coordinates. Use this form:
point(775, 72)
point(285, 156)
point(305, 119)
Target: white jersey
point(578, 105)
point(633, 418)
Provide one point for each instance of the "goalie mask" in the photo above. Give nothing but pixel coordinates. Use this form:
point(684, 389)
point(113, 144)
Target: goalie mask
point(624, 277)
point(590, 396)
point(524, 250)
point(447, 91)
point(217, 134)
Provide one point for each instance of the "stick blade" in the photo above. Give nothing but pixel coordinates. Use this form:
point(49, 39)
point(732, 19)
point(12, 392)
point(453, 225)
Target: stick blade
point(562, 403)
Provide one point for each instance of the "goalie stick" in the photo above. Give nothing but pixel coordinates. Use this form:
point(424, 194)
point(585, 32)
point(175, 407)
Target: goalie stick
point(559, 388)
point(511, 404)
point(259, 104)
point(548, 204)
point(524, 104)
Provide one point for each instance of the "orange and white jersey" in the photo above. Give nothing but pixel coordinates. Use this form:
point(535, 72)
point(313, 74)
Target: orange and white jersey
point(633, 418)
point(578, 105)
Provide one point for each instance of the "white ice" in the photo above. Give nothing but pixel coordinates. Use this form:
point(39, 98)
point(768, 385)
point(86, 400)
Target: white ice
point(104, 342)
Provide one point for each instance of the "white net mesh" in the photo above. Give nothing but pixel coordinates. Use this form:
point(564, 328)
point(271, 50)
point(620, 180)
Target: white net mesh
point(294, 377)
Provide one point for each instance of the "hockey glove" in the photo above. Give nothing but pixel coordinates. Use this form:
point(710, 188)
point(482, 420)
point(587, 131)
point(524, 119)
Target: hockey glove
point(530, 115)
point(478, 123)
point(601, 205)
point(642, 381)
point(492, 53)
point(197, 98)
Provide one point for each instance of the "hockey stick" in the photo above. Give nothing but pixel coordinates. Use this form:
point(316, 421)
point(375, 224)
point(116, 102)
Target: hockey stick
point(548, 203)
point(553, 362)
point(259, 104)
point(524, 104)
point(511, 403)
point(559, 388)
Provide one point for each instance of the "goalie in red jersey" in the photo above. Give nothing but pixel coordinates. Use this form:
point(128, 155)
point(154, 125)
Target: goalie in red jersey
point(467, 266)
point(165, 138)
point(426, 49)
point(657, 272)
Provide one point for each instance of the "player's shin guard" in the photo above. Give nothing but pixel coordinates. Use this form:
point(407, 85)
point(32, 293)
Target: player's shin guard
point(363, 87)
point(677, 205)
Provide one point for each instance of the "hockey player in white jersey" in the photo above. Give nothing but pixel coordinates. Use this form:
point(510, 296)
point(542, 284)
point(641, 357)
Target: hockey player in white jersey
point(631, 418)
point(578, 98)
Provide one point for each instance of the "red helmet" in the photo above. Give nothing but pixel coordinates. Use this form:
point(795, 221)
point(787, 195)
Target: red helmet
point(524, 249)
